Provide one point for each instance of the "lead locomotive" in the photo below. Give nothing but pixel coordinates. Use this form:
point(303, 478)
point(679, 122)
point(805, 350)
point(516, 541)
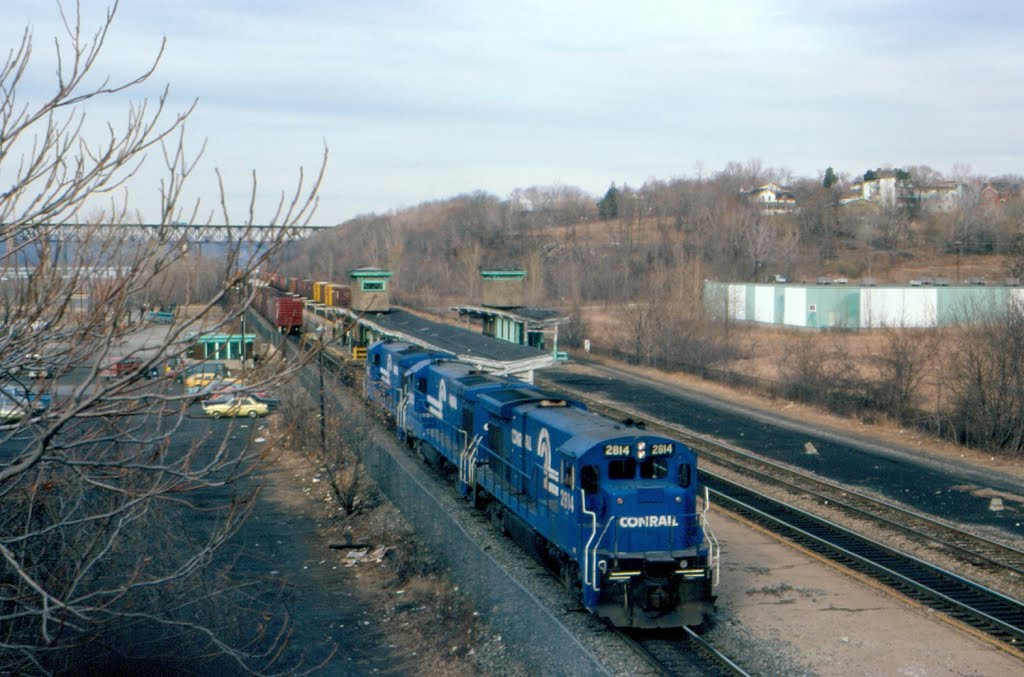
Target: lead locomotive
point(610, 506)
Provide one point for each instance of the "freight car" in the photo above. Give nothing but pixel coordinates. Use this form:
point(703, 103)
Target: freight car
point(283, 310)
point(612, 508)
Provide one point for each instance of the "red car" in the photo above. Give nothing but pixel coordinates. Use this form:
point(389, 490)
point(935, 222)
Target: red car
point(118, 367)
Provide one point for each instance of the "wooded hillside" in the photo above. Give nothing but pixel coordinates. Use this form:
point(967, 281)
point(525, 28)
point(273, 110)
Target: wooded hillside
point(628, 268)
point(584, 249)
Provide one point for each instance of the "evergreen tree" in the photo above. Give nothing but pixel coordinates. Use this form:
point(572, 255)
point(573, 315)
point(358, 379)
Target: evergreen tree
point(608, 207)
point(830, 178)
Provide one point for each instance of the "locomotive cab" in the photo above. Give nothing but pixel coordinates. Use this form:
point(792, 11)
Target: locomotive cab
point(648, 559)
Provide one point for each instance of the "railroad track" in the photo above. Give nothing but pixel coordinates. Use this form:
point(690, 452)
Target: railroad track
point(990, 612)
point(688, 654)
point(995, 614)
point(977, 552)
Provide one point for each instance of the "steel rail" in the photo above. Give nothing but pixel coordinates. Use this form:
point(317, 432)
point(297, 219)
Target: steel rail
point(977, 549)
point(673, 654)
point(987, 610)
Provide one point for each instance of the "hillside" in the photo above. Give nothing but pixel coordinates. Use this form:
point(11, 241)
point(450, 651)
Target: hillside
point(631, 280)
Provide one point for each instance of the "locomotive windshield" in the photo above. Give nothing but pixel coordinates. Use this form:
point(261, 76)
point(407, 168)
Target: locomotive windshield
point(623, 469)
point(654, 469)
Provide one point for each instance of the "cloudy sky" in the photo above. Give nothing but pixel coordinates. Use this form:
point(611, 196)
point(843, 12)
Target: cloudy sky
point(419, 100)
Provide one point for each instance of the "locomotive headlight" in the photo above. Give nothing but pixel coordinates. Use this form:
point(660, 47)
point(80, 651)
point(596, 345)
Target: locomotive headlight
point(641, 450)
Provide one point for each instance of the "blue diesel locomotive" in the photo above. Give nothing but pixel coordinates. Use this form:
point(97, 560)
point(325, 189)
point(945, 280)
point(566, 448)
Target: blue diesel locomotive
point(610, 506)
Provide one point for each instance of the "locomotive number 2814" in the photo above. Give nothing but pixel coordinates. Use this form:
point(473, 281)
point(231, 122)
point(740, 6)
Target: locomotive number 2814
point(616, 450)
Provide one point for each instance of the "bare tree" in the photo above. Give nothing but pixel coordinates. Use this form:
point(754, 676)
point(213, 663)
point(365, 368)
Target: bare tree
point(986, 379)
point(820, 369)
point(902, 364)
point(331, 450)
point(112, 513)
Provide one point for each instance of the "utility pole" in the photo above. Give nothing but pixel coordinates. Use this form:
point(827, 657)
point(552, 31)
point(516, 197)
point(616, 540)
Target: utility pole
point(244, 311)
point(323, 413)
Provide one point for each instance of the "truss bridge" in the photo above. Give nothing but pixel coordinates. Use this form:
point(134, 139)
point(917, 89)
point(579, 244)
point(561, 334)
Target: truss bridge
point(173, 232)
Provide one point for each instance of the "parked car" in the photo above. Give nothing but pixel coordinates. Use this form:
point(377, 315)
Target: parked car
point(35, 367)
point(12, 409)
point(205, 388)
point(160, 317)
point(238, 405)
point(119, 367)
point(204, 384)
point(238, 390)
point(218, 369)
point(37, 401)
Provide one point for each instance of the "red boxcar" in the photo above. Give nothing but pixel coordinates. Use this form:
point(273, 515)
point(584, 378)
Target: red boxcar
point(283, 310)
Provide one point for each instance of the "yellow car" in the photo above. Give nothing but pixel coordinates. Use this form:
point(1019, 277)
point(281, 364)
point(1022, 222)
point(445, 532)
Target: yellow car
point(235, 405)
point(197, 382)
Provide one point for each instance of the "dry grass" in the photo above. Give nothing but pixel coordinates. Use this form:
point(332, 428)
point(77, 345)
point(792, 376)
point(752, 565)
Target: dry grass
point(412, 603)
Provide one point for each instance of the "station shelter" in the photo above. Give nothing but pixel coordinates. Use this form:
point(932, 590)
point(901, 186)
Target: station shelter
point(222, 347)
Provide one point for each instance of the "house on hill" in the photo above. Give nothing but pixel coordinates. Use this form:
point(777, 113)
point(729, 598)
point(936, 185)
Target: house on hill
point(940, 197)
point(771, 199)
point(883, 188)
point(891, 189)
point(996, 193)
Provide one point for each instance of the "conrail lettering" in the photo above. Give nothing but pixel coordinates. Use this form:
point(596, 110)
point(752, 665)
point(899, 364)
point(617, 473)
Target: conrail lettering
point(648, 521)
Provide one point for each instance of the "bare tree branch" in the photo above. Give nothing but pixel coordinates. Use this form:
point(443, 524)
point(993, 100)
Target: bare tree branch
point(116, 501)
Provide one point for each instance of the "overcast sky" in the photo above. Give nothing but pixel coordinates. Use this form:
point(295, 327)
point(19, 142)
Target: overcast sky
point(424, 100)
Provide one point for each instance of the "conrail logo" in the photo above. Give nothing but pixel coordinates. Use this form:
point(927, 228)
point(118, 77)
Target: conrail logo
point(648, 521)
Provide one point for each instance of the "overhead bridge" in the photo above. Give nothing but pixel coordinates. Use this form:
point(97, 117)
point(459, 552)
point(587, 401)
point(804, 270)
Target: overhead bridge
point(172, 232)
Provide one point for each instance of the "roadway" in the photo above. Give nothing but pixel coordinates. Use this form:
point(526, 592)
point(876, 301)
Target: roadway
point(279, 571)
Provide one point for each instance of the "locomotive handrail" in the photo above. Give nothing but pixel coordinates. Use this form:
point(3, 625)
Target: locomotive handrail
point(467, 456)
point(593, 566)
point(463, 450)
point(471, 471)
point(402, 414)
point(593, 532)
point(709, 534)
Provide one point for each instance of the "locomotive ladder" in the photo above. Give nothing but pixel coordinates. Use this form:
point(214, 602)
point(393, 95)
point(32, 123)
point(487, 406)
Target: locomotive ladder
point(590, 576)
point(467, 461)
point(401, 415)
